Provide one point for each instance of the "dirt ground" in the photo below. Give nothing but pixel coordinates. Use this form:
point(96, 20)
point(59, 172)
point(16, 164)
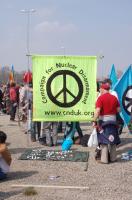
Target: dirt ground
point(102, 182)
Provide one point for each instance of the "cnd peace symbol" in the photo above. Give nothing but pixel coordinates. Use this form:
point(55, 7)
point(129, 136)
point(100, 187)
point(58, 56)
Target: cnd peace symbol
point(127, 100)
point(64, 92)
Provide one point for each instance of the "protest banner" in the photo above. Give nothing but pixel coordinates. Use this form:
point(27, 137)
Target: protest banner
point(64, 88)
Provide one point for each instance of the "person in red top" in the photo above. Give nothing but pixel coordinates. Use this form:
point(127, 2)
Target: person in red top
point(13, 101)
point(107, 106)
point(107, 103)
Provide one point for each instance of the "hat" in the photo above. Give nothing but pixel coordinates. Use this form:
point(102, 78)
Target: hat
point(105, 86)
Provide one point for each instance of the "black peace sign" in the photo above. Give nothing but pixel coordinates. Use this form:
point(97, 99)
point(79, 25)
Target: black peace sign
point(127, 100)
point(64, 91)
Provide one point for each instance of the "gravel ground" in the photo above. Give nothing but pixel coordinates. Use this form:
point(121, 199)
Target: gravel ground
point(103, 182)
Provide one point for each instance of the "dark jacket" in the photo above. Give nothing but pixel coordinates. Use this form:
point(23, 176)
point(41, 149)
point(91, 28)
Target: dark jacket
point(108, 133)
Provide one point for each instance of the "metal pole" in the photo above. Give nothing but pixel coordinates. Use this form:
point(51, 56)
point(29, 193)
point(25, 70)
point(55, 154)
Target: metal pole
point(101, 57)
point(63, 50)
point(28, 42)
point(28, 12)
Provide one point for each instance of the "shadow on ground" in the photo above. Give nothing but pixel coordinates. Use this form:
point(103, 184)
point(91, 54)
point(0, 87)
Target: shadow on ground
point(21, 150)
point(6, 195)
point(20, 175)
point(12, 124)
point(125, 141)
point(124, 150)
point(17, 150)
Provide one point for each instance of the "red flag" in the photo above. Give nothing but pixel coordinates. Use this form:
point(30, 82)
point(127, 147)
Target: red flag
point(27, 77)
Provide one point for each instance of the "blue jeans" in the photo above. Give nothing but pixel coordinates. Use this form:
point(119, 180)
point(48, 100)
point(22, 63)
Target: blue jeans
point(13, 107)
point(35, 129)
point(2, 175)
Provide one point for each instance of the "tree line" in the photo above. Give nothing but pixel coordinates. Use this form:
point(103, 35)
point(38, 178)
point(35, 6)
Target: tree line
point(5, 72)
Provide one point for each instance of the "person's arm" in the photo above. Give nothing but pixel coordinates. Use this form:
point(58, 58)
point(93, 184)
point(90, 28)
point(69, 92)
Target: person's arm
point(2, 148)
point(96, 115)
point(97, 110)
point(118, 109)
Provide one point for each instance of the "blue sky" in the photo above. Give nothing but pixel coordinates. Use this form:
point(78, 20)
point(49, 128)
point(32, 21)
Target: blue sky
point(73, 27)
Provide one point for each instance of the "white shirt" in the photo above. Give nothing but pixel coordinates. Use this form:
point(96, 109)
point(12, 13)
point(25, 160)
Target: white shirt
point(112, 92)
point(3, 165)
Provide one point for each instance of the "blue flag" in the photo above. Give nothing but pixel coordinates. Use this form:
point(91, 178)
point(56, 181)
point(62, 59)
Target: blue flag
point(124, 91)
point(113, 76)
point(12, 69)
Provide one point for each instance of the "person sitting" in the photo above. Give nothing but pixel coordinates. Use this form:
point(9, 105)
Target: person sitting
point(5, 156)
point(107, 106)
point(119, 119)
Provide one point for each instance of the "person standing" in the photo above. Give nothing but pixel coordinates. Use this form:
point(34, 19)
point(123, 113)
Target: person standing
point(107, 106)
point(6, 98)
point(1, 99)
point(13, 101)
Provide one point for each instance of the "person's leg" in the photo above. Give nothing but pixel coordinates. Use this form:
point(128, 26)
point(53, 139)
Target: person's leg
point(47, 130)
point(104, 153)
point(11, 111)
point(67, 129)
point(54, 133)
point(48, 137)
point(8, 106)
point(29, 118)
point(112, 151)
point(98, 153)
point(33, 131)
point(14, 110)
point(42, 131)
point(59, 127)
point(79, 130)
point(0, 106)
point(38, 129)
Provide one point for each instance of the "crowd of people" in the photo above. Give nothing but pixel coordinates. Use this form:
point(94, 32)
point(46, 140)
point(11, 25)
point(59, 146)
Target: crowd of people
point(107, 121)
point(20, 97)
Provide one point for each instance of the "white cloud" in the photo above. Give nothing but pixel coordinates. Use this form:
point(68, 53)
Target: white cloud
point(55, 27)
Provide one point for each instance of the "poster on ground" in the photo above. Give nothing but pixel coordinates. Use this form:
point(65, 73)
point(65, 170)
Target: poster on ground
point(64, 88)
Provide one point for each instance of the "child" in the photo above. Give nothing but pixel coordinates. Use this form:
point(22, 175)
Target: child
point(5, 156)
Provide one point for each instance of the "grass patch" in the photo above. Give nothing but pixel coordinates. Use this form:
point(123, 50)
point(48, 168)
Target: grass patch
point(30, 191)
